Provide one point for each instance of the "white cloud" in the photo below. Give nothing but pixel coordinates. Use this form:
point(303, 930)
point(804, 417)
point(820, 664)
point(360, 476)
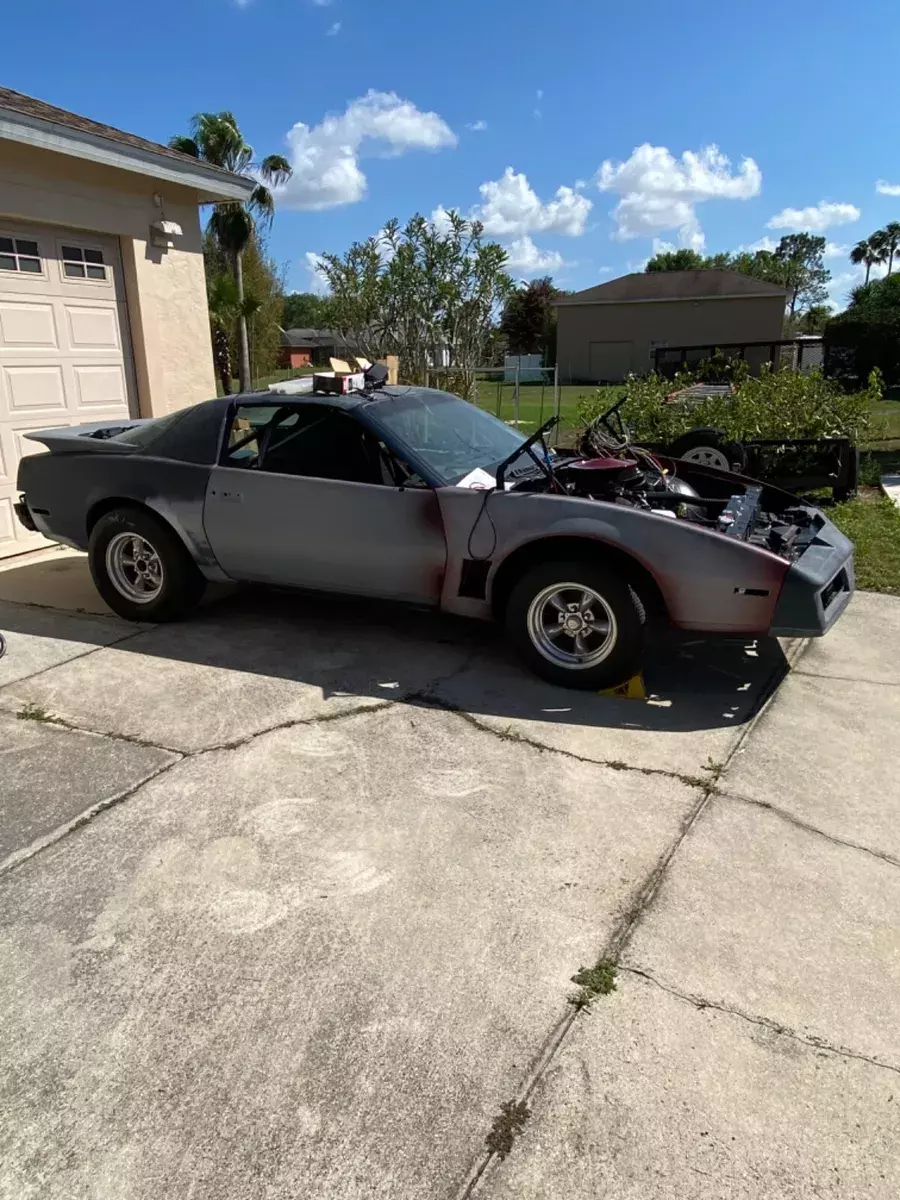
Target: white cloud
point(333, 30)
point(835, 250)
point(764, 243)
point(321, 3)
point(525, 257)
point(883, 188)
point(440, 219)
point(511, 206)
point(540, 93)
point(658, 191)
point(477, 126)
point(815, 218)
point(317, 281)
point(325, 158)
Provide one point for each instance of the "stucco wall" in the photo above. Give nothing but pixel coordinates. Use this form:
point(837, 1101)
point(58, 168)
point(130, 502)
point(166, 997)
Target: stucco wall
point(629, 330)
point(165, 289)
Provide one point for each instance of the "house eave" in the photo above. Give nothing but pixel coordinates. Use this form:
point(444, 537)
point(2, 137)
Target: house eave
point(210, 184)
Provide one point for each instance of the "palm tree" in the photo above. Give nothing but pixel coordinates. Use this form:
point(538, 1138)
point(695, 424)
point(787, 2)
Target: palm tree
point(870, 250)
point(216, 138)
point(224, 309)
point(891, 240)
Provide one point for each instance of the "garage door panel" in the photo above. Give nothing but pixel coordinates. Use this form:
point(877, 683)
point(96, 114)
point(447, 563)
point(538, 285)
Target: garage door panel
point(35, 388)
point(64, 352)
point(93, 328)
point(26, 325)
point(101, 386)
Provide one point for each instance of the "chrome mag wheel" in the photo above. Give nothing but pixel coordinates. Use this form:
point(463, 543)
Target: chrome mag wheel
point(134, 567)
point(572, 625)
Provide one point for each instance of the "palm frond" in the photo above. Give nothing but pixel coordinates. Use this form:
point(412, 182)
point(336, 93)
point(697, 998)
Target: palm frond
point(275, 169)
point(262, 204)
point(186, 145)
point(232, 227)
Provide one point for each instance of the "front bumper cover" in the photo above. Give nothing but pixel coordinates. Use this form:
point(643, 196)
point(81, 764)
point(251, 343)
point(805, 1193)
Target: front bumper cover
point(817, 587)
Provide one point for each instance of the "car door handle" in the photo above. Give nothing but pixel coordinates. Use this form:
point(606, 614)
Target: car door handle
point(234, 497)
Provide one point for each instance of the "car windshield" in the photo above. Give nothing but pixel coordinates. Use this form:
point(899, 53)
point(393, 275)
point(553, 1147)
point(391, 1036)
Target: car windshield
point(452, 436)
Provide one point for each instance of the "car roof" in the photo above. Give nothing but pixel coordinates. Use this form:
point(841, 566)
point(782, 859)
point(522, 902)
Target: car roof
point(352, 400)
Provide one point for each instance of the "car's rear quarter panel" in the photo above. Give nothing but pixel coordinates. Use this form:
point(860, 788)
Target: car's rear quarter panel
point(64, 490)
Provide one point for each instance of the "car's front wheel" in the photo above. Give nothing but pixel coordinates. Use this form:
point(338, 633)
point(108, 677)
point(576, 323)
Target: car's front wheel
point(141, 568)
point(577, 624)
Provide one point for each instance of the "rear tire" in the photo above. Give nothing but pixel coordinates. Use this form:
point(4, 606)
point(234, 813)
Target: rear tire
point(576, 624)
point(141, 568)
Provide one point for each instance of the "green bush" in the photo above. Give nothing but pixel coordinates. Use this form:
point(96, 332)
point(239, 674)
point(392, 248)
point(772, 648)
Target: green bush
point(857, 344)
point(777, 404)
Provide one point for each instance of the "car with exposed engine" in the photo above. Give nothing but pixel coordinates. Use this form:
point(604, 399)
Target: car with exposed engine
point(415, 495)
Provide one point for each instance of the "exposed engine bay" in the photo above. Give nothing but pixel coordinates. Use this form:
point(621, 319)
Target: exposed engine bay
point(607, 467)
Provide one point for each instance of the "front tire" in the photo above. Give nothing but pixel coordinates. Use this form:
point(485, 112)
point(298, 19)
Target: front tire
point(141, 568)
point(576, 624)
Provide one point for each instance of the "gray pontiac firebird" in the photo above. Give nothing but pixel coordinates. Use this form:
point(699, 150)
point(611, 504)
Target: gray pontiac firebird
point(411, 494)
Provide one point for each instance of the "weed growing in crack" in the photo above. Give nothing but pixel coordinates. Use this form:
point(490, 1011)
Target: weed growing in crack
point(34, 712)
point(592, 982)
point(714, 768)
point(508, 1124)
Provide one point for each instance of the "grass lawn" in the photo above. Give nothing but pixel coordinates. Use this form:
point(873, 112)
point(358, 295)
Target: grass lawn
point(536, 402)
point(885, 420)
point(872, 522)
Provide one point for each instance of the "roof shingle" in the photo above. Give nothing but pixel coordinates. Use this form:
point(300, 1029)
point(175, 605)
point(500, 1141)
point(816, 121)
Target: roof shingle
point(39, 109)
point(674, 285)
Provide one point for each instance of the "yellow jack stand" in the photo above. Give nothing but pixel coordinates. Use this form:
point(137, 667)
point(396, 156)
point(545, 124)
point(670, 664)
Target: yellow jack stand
point(631, 689)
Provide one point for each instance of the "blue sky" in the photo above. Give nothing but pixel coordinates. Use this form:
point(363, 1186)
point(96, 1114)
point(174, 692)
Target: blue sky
point(398, 106)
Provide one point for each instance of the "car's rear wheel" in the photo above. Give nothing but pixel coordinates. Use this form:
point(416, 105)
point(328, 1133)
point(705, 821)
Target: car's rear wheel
point(577, 624)
point(141, 568)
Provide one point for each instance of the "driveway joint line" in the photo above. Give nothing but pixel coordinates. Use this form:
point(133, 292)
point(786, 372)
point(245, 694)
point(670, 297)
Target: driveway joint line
point(808, 1039)
point(644, 896)
point(847, 679)
point(126, 637)
point(510, 735)
point(801, 824)
point(179, 756)
point(19, 857)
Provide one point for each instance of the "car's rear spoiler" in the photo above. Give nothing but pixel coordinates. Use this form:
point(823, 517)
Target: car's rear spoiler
point(80, 439)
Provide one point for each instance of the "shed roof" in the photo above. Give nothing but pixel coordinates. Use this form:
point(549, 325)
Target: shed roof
point(309, 337)
point(645, 286)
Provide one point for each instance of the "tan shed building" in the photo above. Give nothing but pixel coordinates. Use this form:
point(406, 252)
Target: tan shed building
point(102, 292)
point(610, 331)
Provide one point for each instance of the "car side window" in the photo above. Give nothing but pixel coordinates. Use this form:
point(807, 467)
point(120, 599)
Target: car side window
point(310, 440)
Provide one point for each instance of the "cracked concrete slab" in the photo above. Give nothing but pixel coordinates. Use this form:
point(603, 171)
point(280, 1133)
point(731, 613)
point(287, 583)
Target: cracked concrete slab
point(864, 644)
point(241, 667)
point(653, 1099)
point(781, 923)
point(701, 691)
point(49, 776)
point(38, 638)
point(819, 753)
point(314, 965)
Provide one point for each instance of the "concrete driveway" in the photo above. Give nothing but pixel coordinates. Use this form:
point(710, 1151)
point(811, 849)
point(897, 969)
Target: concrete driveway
point(292, 895)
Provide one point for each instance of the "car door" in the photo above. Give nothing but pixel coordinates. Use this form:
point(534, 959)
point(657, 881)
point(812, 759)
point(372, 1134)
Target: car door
point(305, 496)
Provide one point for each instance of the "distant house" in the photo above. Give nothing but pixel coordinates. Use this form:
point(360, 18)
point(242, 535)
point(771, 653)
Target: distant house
point(609, 331)
point(305, 347)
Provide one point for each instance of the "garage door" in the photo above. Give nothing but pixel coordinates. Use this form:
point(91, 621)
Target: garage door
point(64, 351)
